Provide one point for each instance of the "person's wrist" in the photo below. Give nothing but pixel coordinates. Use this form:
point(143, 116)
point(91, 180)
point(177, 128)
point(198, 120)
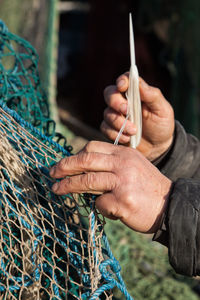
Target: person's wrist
point(159, 150)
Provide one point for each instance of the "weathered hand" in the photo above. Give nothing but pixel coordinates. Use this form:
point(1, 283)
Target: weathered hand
point(157, 114)
point(131, 188)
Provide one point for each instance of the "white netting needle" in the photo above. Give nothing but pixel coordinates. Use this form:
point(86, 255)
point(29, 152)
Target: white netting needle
point(133, 95)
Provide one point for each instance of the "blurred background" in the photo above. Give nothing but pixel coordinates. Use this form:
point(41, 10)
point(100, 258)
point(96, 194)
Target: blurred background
point(94, 51)
point(83, 47)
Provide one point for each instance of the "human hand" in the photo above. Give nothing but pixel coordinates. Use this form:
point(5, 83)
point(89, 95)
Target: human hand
point(157, 118)
point(130, 187)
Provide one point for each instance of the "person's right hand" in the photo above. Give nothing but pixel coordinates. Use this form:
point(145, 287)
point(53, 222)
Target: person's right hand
point(157, 118)
point(128, 186)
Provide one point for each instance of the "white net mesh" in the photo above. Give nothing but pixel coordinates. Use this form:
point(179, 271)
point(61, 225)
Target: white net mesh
point(51, 247)
point(48, 249)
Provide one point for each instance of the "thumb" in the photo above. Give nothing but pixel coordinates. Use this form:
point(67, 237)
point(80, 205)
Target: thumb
point(122, 82)
point(151, 96)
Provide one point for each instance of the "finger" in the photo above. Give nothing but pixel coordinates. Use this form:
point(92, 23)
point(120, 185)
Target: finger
point(82, 162)
point(115, 100)
point(151, 96)
point(112, 133)
point(116, 121)
point(107, 206)
point(122, 82)
point(92, 182)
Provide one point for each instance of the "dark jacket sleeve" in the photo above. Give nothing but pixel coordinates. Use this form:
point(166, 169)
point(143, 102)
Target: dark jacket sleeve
point(183, 159)
point(180, 230)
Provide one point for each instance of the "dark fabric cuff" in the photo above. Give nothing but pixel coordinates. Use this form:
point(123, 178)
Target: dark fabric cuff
point(162, 234)
point(180, 227)
point(183, 227)
point(183, 157)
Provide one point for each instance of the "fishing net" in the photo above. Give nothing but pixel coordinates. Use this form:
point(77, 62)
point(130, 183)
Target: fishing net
point(51, 247)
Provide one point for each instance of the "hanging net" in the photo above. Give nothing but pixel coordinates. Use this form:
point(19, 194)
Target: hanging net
point(51, 247)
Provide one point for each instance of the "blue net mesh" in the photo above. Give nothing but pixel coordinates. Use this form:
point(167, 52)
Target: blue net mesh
point(51, 247)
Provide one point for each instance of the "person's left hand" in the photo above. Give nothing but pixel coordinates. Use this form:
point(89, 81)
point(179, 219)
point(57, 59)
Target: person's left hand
point(157, 118)
point(130, 187)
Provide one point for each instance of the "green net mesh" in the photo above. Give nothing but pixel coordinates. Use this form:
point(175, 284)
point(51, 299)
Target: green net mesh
point(51, 247)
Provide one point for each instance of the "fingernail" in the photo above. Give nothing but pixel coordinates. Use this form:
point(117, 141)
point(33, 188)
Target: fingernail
point(123, 108)
point(55, 187)
point(131, 130)
point(52, 171)
point(121, 83)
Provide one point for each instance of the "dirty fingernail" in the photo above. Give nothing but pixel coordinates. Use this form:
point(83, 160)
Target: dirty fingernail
point(121, 83)
point(123, 108)
point(55, 187)
point(131, 130)
point(52, 171)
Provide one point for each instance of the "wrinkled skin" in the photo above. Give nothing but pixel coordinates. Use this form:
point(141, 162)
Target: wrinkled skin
point(130, 188)
point(157, 116)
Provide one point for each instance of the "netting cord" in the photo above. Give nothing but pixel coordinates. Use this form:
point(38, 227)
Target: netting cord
point(3, 26)
point(23, 123)
point(112, 262)
point(112, 282)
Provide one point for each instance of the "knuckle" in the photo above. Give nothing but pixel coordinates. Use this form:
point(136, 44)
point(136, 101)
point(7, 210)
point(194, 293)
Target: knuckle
point(108, 94)
point(103, 127)
point(112, 135)
point(86, 159)
point(107, 91)
point(89, 146)
point(113, 118)
point(106, 112)
point(65, 185)
point(83, 160)
point(88, 180)
point(118, 121)
point(62, 164)
point(171, 110)
point(130, 202)
point(157, 92)
point(109, 132)
point(80, 160)
point(111, 179)
point(124, 139)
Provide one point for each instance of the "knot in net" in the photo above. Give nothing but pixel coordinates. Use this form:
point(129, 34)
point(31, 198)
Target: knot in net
point(51, 247)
